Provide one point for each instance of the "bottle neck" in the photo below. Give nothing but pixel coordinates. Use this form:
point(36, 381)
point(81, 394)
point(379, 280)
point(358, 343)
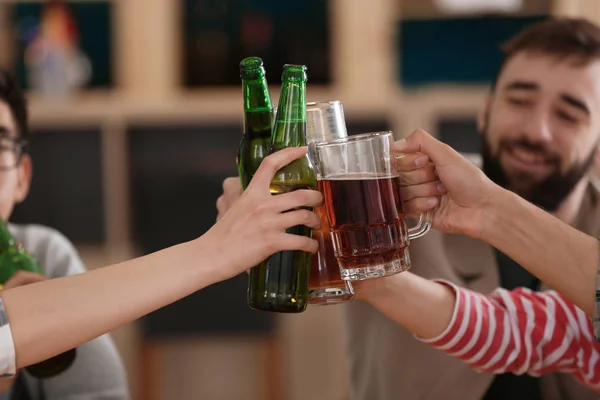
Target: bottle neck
point(6, 239)
point(290, 123)
point(256, 95)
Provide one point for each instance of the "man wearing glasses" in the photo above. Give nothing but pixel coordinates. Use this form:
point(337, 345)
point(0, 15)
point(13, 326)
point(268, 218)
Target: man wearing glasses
point(97, 372)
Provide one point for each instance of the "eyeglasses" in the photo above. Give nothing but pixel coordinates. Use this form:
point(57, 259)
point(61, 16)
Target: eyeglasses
point(11, 152)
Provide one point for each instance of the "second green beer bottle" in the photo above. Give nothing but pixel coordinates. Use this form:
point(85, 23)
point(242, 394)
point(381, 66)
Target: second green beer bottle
point(258, 119)
point(280, 283)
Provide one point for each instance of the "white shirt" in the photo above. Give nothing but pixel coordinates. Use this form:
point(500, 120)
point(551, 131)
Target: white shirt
point(7, 346)
point(98, 372)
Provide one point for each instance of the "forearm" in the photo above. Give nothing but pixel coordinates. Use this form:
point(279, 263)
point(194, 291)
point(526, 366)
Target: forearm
point(423, 307)
point(558, 254)
point(519, 331)
point(50, 317)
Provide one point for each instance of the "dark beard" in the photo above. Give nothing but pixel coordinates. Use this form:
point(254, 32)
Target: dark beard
point(547, 194)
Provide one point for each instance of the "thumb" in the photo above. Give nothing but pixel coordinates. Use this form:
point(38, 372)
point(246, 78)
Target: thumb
point(420, 141)
point(273, 163)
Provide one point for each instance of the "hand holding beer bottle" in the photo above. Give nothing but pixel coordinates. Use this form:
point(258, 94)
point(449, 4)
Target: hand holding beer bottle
point(259, 224)
point(280, 283)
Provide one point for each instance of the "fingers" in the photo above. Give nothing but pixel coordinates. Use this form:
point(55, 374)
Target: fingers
point(232, 187)
point(289, 241)
point(222, 207)
point(299, 217)
point(21, 278)
point(420, 141)
point(273, 163)
point(295, 199)
point(409, 162)
point(232, 190)
point(429, 189)
point(418, 176)
point(420, 205)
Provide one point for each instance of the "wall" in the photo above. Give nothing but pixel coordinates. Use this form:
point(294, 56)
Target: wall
point(146, 71)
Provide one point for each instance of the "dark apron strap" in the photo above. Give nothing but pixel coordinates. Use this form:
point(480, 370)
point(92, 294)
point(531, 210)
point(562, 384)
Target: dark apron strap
point(19, 390)
point(22, 391)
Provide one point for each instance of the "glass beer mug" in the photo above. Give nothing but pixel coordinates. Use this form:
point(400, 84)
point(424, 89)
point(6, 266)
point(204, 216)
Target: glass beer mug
point(361, 190)
point(325, 121)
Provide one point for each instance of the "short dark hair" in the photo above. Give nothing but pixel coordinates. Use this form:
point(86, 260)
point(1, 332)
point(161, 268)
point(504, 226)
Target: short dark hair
point(13, 96)
point(574, 38)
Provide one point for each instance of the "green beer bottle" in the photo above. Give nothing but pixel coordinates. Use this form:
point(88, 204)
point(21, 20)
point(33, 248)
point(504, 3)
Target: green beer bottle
point(258, 119)
point(14, 258)
point(280, 283)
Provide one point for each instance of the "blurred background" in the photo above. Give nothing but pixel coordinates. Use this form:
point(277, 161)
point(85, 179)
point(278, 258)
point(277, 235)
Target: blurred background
point(130, 152)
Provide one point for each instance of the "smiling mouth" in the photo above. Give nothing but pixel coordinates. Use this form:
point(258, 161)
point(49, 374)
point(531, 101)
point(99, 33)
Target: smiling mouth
point(528, 158)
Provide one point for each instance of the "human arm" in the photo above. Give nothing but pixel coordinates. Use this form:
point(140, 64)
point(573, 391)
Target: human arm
point(475, 206)
point(20, 278)
point(516, 331)
point(97, 371)
point(50, 317)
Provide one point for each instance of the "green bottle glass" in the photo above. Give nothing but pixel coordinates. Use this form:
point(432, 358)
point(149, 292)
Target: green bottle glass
point(280, 283)
point(14, 258)
point(258, 119)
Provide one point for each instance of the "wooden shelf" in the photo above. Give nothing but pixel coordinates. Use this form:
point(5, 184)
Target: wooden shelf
point(221, 105)
point(207, 106)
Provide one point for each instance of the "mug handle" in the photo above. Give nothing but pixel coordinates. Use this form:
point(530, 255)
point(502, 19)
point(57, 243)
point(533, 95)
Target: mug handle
point(422, 227)
point(425, 220)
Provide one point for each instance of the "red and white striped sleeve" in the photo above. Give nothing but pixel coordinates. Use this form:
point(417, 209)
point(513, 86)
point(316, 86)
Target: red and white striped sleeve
point(521, 331)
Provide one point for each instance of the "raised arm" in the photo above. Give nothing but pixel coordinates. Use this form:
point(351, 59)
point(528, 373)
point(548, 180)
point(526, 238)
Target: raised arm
point(53, 316)
point(516, 331)
point(475, 206)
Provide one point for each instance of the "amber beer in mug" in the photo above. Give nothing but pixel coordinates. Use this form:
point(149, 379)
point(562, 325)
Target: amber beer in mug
point(325, 121)
point(326, 285)
point(360, 185)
